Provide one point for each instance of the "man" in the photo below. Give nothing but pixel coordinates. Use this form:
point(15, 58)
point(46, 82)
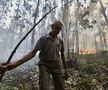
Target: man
point(50, 47)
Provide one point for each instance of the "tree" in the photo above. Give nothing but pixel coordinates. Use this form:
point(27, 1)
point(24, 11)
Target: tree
point(103, 12)
point(35, 17)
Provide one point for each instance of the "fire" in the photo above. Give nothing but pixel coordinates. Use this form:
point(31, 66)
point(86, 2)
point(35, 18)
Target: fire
point(87, 51)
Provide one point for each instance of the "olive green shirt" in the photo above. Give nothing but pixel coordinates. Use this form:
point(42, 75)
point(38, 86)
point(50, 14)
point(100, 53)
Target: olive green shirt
point(49, 48)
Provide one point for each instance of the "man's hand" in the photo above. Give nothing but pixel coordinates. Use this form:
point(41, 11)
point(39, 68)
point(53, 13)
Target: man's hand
point(2, 68)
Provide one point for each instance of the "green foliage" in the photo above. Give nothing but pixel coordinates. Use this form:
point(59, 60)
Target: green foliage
point(7, 87)
point(22, 79)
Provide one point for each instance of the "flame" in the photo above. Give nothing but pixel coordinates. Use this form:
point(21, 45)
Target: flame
point(87, 51)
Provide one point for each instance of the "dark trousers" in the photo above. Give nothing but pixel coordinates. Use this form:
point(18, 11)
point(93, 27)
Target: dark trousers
point(55, 70)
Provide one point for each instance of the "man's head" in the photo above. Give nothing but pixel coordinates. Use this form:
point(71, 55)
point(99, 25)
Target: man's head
point(56, 27)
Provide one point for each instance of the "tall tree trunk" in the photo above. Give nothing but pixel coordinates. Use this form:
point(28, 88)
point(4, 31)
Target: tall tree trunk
point(77, 38)
point(33, 32)
point(85, 41)
point(15, 26)
point(96, 46)
point(73, 42)
point(104, 38)
point(101, 38)
point(65, 29)
point(68, 42)
point(76, 27)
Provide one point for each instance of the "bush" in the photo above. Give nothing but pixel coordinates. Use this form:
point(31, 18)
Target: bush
point(6, 87)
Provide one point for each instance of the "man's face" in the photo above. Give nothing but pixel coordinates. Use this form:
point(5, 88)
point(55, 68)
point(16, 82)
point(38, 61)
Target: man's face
point(56, 29)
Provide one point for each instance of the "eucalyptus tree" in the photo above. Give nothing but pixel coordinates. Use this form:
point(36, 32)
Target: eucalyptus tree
point(15, 23)
point(66, 18)
point(101, 24)
point(104, 37)
point(103, 11)
point(35, 15)
point(4, 15)
point(96, 46)
point(93, 12)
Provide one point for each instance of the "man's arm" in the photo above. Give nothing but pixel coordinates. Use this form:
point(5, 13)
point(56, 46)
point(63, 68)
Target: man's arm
point(63, 56)
point(27, 57)
point(63, 60)
point(17, 63)
point(65, 66)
